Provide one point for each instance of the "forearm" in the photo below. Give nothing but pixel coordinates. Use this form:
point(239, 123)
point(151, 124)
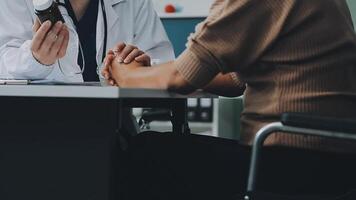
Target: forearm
point(164, 76)
point(133, 75)
point(224, 85)
point(146, 77)
point(16, 61)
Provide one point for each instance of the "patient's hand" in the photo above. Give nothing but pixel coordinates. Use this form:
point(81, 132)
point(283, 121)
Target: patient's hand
point(121, 73)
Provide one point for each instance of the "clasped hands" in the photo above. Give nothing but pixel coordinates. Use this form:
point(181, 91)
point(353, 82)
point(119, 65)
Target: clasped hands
point(121, 61)
point(126, 67)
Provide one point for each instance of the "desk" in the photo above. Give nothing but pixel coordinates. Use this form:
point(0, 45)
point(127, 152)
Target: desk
point(60, 142)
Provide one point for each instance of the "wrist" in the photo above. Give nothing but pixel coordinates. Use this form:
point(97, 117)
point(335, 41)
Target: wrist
point(164, 75)
point(40, 62)
point(176, 82)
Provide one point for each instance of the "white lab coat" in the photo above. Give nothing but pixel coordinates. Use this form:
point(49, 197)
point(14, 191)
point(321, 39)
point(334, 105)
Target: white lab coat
point(130, 21)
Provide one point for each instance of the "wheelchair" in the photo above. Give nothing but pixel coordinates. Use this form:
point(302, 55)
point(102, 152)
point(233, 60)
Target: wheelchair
point(302, 124)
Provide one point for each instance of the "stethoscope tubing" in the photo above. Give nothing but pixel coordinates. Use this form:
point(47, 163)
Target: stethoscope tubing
point(103, 9)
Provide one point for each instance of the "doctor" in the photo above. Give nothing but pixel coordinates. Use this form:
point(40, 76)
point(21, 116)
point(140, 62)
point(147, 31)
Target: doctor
point(29, 50)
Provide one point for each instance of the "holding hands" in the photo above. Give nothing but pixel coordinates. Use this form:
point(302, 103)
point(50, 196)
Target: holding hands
point(126, 67)
point(120, 61)
point(127, 53)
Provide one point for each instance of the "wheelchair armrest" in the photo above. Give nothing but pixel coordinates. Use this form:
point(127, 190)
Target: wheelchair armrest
point(305, 120)
point(294, 123)
point(157, 115)
point(154, 115)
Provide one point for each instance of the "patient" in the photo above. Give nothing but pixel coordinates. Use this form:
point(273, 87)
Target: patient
point(284, 56)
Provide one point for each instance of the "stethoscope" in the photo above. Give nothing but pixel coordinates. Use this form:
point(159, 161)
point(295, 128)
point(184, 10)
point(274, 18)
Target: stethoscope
point(71, 13)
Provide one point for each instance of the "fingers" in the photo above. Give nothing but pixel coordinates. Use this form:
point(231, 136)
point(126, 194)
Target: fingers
point(119, 47)
point(36, 26)
point(108, 60)
point(106, 69)
point(40, 36)
point(131, 57)
point(48, 45)
point(106, 73)
point(56, 48)
point(144, 58)
point(112, 82)
point(51, 37)
point(125, 52)
point(63, 49)
point(110, 52)
point(128, 53)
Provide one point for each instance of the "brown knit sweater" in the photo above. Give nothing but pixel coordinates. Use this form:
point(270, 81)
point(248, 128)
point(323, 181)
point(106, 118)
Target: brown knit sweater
point(293, 55)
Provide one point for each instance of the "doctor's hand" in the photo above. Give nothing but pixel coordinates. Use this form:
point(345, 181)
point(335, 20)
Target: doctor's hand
point(49, 44)
point(126, 53)
point(110, 57)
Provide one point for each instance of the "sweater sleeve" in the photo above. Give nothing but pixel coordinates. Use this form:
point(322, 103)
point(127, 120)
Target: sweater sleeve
point(232, 38)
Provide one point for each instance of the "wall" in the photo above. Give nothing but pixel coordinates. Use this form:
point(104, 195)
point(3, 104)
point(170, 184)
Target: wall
point(178, 30)
point(180, 25)
point(352, 5)
point(185, 8)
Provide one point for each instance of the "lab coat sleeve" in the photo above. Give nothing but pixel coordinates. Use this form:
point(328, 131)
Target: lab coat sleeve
point(16, 59)
point(150, 35)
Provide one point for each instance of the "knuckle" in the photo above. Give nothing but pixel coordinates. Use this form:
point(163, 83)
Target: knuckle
point(64, 52)
point(61, 55)
point(57, 29)
point(54, 38)
point(50, 33)
point(120, 46)
point(45, 46)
